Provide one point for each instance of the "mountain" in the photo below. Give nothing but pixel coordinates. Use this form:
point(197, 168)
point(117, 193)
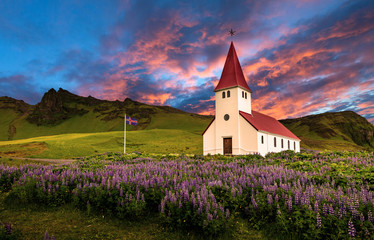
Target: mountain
point(333, 131)
point(61, 112)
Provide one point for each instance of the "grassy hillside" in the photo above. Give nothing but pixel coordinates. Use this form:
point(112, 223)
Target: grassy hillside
point(163, 141)
point(333, 131)
point(62, 112)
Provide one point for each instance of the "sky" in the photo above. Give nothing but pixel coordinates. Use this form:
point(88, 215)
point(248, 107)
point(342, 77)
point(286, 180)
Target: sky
point(299, 57)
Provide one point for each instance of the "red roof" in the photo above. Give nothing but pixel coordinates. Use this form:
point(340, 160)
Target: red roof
point(209, 125)
point(267, 124)
point(232, 74)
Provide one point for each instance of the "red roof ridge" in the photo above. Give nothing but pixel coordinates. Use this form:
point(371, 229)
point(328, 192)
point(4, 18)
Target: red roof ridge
point(232, 73)
point(262, 122)
point(214, 118)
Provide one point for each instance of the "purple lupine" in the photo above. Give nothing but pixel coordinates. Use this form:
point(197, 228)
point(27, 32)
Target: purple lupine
point(254, 203)
point(289, 203)
point(227, 213)
point(278, 210)
point(324, 209)
point(331, 210)
point(270, 199)
point(316, 207)
point(319, 221)
point(276, 198)
point(8, 228)
point(362, 217)
point(370, 217)
point(46, 236)
point(351, 229)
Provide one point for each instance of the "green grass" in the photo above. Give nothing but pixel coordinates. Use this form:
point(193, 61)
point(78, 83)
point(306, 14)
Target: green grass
point(183, 121)
point(84, 144)
point(67, 222)
point(333, 131)
point(88, 123)
point(7, 116)
point(19, 162)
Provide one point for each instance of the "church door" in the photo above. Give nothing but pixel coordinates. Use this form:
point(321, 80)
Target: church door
point(227, 146)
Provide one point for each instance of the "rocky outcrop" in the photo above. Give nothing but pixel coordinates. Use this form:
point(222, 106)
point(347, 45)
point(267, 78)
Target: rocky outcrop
point(18, 105)
point(53, 108)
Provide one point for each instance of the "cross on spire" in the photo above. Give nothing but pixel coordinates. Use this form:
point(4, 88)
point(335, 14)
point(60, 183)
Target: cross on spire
point(232, 32)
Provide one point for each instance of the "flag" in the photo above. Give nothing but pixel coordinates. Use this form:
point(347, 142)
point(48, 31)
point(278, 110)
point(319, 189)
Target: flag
point(131, 121)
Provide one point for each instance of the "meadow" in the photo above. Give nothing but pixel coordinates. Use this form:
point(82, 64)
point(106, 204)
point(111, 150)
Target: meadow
point(308, 195)
point(76, 145)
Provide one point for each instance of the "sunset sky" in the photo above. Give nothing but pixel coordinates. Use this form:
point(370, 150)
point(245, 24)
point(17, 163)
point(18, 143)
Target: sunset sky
point(299, 57)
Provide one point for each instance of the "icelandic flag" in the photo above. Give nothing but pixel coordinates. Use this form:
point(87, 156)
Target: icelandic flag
point(131, 121)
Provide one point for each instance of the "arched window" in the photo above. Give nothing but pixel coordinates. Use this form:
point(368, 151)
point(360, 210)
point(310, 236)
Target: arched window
point(262, 139)
point(223, 94)
point(242, 94)
point(228, 94)
point(275, 142)
point(281, 143)
point(288, 144)
point(294, 145)
point(245, 95)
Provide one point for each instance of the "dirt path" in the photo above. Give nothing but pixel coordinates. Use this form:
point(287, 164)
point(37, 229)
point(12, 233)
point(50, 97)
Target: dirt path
point(54, 161)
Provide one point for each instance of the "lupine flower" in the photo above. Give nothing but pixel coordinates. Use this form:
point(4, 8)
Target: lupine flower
point(351, 229)
point(319, 221)
point(227, 213)
point(8, 228)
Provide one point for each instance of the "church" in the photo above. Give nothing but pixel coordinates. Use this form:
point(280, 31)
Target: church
point(236, 129)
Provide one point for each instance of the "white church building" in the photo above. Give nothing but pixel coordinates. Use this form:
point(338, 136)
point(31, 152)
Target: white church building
point(236, 128)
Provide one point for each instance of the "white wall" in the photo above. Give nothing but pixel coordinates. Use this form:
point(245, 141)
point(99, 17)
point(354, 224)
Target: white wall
point(248, 138)
point(262, 147)
point(268, 145)
point(244, 104)
point(231, 106)
point(209, 139)
point(230, 128)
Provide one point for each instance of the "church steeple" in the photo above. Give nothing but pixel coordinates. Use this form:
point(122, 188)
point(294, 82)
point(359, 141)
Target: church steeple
point(232, 74)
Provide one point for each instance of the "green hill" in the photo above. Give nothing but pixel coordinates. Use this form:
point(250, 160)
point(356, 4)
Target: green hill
point(65, 125)
point(62, 112)
point(333, 131)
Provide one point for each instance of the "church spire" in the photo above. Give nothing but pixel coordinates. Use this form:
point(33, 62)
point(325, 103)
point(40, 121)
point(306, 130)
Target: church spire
point(232, 74)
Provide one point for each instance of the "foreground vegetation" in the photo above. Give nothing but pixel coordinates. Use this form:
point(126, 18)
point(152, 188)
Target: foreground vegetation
point(326, 195)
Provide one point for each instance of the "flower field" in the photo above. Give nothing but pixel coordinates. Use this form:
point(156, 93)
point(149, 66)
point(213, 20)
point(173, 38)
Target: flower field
point(326, 195)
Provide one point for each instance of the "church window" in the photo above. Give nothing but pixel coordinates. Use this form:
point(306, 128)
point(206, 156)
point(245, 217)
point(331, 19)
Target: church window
point(228, 94)
point(275, 142)
point(242, 94)
point(262, 139)
point(245, 95)
point(281, 143)
point(288, 144)
point(294, 145)
point(223, 94)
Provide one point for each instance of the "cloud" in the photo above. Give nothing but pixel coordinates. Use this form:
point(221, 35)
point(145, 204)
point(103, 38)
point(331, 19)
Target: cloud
point(299, 57)
point(319, 68)
point(19, 87)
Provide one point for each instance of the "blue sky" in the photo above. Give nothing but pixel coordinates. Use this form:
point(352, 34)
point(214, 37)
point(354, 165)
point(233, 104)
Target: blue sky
point(299, 57)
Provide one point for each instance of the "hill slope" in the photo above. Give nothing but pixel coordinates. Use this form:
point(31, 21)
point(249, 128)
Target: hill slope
point(333, 131)
point(61, 112)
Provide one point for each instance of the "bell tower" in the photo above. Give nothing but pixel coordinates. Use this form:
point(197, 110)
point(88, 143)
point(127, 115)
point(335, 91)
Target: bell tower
point(232, 95)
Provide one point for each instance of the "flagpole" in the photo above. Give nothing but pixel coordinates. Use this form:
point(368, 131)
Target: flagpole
point(124, 137)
